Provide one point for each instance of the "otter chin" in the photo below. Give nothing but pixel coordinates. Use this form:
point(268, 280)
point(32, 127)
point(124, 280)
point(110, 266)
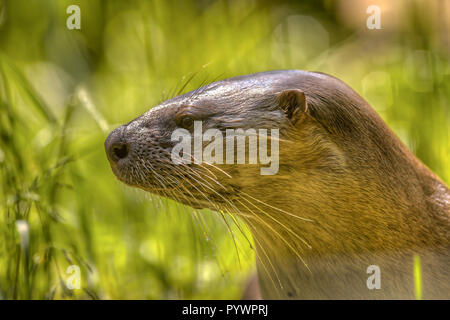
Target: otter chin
point(348, 196)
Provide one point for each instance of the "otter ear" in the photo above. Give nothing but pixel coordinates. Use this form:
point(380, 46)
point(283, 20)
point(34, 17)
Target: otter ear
point(293, 103)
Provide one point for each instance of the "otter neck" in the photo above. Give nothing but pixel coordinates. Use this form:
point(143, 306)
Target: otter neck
point(336, 224)
point(330, 211)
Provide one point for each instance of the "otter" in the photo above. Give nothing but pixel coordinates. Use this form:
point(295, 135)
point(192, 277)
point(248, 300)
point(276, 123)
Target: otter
point(348, 197)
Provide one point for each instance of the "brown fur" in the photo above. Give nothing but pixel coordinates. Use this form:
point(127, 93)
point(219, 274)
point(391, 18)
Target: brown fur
point(366, 198)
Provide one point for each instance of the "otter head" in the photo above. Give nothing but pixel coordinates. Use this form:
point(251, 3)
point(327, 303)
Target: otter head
point(141, 151)
point(338, 164)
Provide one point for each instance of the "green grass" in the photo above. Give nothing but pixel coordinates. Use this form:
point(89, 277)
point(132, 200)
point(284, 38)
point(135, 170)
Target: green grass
point(59, 209)
point(62, 91)
point(417, 278)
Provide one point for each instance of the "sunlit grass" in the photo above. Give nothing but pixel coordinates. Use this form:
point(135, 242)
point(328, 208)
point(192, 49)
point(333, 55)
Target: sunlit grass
point(417, 278)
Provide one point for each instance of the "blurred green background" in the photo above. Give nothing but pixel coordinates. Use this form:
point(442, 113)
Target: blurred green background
point(62, 91)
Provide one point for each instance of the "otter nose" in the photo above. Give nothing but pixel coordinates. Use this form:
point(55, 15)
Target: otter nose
point(115, 145)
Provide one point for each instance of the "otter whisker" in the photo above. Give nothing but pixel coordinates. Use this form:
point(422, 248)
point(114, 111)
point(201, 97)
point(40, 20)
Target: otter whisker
point(185, 173)
point(193, 160)
point(281, 224)
point(226, 200)
point(267, 257)
point(218, 209)
point(179, 185)
point(156, 175)
point(209, 237)
point(211, 189)
point(209, 164)
point(175, 88)
point(281, 237)
point(198, 172)
point(223, 217)
point(174, 184)
point(217, 168)
point(191, 170)
point(187, 82)
point(218, 194)
point(201, 193)
point(239, 226)
point(203, 87)
point(232, 236)
point(278, 209)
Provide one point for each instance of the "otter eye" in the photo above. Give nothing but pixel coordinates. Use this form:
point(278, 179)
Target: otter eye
point(187, 122)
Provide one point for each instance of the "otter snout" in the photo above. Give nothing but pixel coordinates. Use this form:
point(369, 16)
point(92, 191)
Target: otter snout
point(116, 146)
